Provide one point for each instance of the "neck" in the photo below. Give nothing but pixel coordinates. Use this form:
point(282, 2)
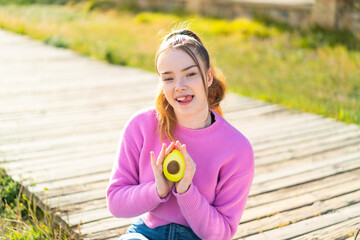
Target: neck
point(195, 121)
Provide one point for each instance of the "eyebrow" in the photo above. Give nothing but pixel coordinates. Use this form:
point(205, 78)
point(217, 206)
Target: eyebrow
point(168, 72)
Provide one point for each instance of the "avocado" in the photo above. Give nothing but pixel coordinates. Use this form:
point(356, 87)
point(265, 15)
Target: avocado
point(174, 166)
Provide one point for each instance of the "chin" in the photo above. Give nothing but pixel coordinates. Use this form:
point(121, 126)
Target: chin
point(186, 112)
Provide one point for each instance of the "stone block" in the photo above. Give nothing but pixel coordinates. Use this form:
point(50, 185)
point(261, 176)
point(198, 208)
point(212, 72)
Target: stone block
point(324, 13)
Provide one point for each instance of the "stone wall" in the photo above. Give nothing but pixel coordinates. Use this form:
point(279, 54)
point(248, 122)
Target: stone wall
point(165, 5)
point(333, 14)
point(337, 14)
point(294, 14)
point(348, 16)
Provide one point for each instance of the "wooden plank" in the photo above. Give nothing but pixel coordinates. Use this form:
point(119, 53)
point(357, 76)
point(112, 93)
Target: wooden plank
point(286, 133)
point(105, 224)
point(75, 181)
point(302, 154)
point(310, 141)
point(92, 116)
point(57, 174)
point(342, 230)
point(239, 104)
point(295, 202)
point(54, 158)
point(265, 110)
point(315, 135)
point(286, 117)
point(86, 106)
point(30, 114)
point(310, 166)
point(73, 199)
point(95, 120)
point(90, 113)
point(261, 131)
point(311, 175)
point(72, 140)
point(82, 95)
point(329, 154)
point(68, 86)
point(305, 152)
point(307, 177)
point(88, 216)
point(49, 193)
point(65, 168)
point(24, 159)
point(69, 71)
point(307, 226)
point(84, 206)
point(282, 219)
point(303, 188)
point(70, 103)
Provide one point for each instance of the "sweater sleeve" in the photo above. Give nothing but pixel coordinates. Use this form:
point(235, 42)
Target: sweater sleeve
point(220, 219)
point(125, 196)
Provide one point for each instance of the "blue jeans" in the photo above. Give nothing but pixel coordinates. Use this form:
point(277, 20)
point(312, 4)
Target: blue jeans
point(139, 231)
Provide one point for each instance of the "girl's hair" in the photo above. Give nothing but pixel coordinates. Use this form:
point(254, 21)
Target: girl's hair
point(191, 44)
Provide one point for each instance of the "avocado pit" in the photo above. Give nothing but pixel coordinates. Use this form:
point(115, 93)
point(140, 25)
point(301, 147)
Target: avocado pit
point(173, 167)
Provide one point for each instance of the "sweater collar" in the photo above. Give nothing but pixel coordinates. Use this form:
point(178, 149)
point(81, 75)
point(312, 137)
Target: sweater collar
point(181, 131)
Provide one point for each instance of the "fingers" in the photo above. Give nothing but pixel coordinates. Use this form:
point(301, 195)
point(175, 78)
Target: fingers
point(165, 151)
point(182, 148)
point(163, 186)
point(187, 158)
point(161, 155)
point(152, 156)
point(170, 148)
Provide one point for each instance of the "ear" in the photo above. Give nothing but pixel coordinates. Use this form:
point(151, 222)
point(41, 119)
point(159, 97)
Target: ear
point(210, 77)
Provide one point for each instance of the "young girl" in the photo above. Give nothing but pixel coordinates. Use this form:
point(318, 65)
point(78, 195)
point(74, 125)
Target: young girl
point(207, 203)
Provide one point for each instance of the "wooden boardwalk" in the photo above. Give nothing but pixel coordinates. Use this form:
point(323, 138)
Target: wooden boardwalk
point(60, 119)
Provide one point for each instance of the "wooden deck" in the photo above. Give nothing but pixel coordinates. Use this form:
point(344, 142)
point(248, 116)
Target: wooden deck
point(60, 120)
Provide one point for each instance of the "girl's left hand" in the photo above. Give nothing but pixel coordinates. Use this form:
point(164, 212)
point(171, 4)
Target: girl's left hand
point(190, 168)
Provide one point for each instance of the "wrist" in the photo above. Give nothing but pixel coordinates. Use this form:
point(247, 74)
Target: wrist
point(182, 190)
point(162, 195)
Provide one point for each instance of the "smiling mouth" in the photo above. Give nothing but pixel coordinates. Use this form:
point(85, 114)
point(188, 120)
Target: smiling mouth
point(184, 99)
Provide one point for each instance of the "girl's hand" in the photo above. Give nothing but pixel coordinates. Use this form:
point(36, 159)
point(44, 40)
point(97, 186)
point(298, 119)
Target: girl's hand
point(190, 168)
point(163, 186)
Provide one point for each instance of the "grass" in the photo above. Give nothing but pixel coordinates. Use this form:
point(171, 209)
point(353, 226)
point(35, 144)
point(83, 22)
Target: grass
point(20, 216)
point(313, 70)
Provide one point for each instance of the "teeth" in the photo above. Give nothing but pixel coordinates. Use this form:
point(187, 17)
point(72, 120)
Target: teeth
point(181, 99)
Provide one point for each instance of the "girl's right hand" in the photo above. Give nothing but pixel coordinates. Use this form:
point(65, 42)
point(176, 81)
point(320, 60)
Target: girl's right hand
point(163, 185)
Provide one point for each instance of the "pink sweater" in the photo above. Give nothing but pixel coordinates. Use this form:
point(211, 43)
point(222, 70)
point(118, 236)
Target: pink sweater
point(216, 199)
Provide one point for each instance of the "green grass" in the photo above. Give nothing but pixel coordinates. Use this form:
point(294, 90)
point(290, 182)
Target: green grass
point(314, 70)
point(20, 216)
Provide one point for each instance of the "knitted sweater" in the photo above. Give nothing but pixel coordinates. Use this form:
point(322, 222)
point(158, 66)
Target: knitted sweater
point(215, 201)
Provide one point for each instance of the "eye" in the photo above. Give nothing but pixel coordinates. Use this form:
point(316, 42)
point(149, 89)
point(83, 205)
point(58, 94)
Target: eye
point(191, 74)
point(167, 79)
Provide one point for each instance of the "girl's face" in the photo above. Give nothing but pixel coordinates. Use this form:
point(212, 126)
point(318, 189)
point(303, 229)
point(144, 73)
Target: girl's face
point(182, 84)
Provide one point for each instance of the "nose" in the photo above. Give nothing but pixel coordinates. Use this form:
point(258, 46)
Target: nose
point(180, 84)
